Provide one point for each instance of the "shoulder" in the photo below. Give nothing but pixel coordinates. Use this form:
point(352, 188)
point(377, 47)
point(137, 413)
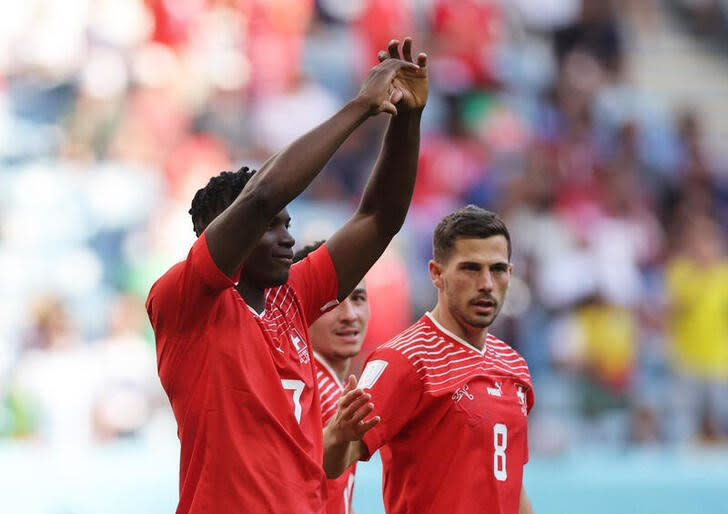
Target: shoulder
point(317, 262)
point(504, 356)
point(166, 285)
point(401, 354)
point(410, 343)
point(413, 340)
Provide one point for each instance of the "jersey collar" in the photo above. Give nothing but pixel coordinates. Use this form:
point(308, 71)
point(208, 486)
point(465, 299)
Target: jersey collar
point(455, 337)
point(319, 359)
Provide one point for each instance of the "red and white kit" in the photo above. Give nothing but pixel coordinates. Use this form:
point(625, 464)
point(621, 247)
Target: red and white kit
point(454, 431)
point(242, 385)
point(340, 490)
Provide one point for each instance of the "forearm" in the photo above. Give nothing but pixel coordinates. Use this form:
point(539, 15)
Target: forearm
point(288, 173)
point(284, 176)
point(338, 455)
point(389, 190)
point(381, 213)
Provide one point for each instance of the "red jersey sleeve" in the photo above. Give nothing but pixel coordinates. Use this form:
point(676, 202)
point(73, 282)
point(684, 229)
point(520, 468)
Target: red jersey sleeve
point(179, 301)
point(396, 391)
point(315, 282)
point(181, 290)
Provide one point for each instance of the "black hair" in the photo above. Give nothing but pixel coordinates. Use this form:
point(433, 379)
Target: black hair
point(470, 222)
point(303, 252)
point(216, 196)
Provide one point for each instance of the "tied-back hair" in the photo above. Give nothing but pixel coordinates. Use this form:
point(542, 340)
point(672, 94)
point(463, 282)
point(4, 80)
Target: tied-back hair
point(467, 222)
point(216, 196)
point(303, 252)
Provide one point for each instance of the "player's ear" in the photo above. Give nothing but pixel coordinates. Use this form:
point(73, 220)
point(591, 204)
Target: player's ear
point(435, 273)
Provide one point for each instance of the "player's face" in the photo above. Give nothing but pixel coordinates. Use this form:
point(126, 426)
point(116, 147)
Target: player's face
point(473, 282)
point(339, 333)
point(270, 261)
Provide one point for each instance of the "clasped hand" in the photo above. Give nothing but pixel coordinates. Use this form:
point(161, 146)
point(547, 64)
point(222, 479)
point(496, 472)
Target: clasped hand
point(396, 83)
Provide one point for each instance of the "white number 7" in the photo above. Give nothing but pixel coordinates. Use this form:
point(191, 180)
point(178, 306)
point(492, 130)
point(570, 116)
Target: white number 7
point(297, 387)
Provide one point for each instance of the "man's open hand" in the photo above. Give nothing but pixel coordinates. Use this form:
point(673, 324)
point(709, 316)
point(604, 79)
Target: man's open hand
point(348, 423)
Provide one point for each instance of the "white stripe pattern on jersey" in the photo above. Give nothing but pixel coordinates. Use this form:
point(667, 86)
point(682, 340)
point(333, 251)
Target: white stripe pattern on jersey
point(330, 390)
point(442, 362)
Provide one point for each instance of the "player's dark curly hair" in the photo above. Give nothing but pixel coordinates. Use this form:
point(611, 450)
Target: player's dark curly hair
point(216, 196)
point(469, 221)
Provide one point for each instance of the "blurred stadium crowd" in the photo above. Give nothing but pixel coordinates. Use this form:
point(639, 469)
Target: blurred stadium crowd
point(114, 112)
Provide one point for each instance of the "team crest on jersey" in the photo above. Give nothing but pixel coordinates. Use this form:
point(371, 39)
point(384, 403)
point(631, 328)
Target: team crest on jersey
point(521, 393)
point(462, 392)
point(300, 345)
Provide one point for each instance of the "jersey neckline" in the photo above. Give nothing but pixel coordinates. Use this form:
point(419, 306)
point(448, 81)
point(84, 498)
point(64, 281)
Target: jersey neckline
point(455, 337)
point(319, 359)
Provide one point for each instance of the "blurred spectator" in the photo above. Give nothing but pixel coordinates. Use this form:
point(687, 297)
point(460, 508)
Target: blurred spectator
point(596, 32)
point(56, 373)
point(129, 389)
point(465, 37)
point(697, 287)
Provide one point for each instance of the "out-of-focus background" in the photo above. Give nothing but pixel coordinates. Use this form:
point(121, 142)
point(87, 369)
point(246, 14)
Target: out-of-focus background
point(596, 128)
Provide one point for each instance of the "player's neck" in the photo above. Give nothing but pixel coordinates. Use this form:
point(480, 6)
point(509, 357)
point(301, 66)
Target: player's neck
point(253, 296)
point(340, 367)
point(474, 336)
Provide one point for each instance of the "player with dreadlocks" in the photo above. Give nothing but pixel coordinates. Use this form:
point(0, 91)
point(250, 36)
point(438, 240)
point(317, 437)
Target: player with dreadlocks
point(231, 321)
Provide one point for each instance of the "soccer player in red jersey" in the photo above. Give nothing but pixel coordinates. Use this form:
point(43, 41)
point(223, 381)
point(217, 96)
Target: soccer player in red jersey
point(453, 399)
point(231, 321)
point(337, 337)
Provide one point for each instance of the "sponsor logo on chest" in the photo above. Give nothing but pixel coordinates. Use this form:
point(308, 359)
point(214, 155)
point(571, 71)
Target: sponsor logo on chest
point(467, 392)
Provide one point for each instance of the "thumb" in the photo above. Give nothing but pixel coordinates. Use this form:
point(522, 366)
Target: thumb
point(350, 384)
point(389, 108)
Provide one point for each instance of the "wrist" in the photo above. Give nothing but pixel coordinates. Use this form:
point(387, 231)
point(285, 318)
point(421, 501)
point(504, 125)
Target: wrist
point(408, 120)
point(362, 106)
point(332, 436)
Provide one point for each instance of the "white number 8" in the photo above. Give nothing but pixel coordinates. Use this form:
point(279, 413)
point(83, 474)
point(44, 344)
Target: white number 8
point(297, 387)
point(500, 443)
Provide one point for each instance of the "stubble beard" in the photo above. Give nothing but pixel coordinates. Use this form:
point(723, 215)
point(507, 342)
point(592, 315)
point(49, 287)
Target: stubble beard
point(480, 321)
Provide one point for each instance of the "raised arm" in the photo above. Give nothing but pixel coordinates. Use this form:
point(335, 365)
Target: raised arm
point(234, 233)
point(360, 242)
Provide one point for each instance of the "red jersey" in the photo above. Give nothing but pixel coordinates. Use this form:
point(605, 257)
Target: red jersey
point(453, 434)
point(340, 489)
point(242, 385)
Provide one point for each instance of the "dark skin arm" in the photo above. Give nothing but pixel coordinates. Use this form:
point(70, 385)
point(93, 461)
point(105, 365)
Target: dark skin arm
point(233, 234)
point(361, 241)
point(383, 207)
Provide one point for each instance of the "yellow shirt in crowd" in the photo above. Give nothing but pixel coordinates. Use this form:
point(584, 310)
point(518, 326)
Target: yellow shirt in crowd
point(699, 317)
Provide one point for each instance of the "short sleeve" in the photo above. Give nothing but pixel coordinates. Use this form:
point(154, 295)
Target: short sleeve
point(396, 391)
point(315, 282)
point(180, 295)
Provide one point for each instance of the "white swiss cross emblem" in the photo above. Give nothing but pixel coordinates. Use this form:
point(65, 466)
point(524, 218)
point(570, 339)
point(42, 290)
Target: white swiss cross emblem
point(300, 346)
point(521, 393)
